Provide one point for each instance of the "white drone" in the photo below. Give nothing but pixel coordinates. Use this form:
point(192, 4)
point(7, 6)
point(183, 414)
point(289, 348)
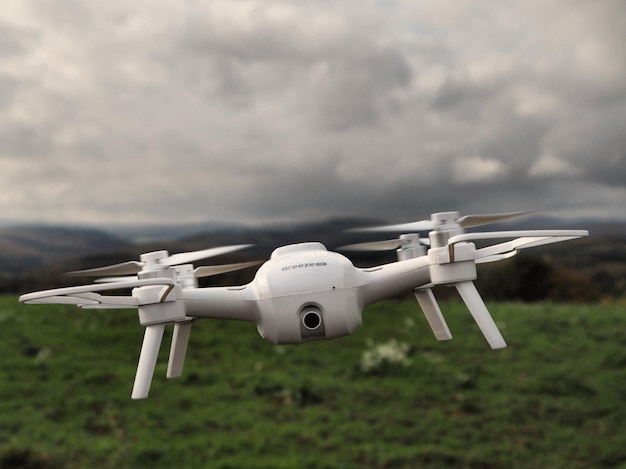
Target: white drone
point(303, 292)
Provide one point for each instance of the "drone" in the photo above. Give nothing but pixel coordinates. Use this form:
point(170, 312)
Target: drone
point(303, 291)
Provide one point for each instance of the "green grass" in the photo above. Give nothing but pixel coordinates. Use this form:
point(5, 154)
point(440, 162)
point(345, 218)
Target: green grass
point(553, 399)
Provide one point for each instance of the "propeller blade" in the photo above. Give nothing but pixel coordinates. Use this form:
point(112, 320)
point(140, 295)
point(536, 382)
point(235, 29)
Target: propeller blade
point(147, 360)
point(375, 245)
point(190, 257)
point(470, 221)
point(525, 239)
point(204, 271)
point(496, 257)
point(124, 268)
point(467, 221)
point(422, 225)
point(85, 294)
point(62, 300)
point(209, 270)
point(431, 310)
point(178, 350)
point(506, 250)
point(114, 279)
point(481, 315)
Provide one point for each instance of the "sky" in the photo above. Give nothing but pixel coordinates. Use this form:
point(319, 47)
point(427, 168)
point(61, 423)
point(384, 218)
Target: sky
point(250, 111)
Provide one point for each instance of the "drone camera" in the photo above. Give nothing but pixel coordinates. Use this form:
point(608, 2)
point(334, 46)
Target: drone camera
point(311, 322)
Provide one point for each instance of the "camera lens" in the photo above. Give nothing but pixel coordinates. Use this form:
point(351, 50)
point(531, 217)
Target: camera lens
point(311, 320)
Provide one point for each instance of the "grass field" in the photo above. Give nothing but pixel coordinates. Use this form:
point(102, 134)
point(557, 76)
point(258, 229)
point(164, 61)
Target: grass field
point(390, 396)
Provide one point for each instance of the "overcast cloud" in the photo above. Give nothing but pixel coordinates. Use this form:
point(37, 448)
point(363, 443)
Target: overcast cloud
point(257, 111)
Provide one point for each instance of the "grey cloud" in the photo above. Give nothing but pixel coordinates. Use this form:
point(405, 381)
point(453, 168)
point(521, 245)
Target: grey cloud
point(594, 141)
point(22, 141)
point(354, 90)
point(342, 77)
point(251, 111)
point(8, 88)
point(15, 40)
point(455, 94)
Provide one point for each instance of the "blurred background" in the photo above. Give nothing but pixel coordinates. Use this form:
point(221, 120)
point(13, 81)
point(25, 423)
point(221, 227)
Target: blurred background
point(255, 112)
point(291, 121)
point(127, 127)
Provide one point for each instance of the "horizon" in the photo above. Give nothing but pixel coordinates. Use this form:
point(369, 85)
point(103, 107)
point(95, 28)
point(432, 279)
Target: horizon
point(533, 217)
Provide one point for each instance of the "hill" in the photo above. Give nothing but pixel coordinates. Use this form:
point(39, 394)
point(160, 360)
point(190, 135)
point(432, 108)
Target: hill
point(27, 247)
point(34, 256)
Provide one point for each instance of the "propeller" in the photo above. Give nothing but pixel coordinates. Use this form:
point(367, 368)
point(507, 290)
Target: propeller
point(199, 272)
point(85, 296)
point(453, 258)
point(408, 246)
point(158, 303)
point(157, 260)
point(156, 308)
point(455, 264)
point(446, 220)
point(210, 270)
point(523, 240)
point(385, 245)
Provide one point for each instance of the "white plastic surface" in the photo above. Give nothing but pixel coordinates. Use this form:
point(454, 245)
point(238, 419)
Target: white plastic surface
point(385, 245)
point(495, 257)
point(209, 270)
point(481, 315)
point(84, 294)
point(178, 350)
point(524, 242)
point(189, 257)
point(560, 235)
point(431, 310)
point(147, 360)
point(470, 221)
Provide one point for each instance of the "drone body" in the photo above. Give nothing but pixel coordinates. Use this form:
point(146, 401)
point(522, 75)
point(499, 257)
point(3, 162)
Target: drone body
point(303, 292)
point(306, 292)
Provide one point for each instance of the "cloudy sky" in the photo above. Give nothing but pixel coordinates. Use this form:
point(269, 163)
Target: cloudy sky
point(261, 110)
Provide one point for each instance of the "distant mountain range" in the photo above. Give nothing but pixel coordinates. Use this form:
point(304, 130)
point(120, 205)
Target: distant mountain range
point(26, 247)
point(42, 251)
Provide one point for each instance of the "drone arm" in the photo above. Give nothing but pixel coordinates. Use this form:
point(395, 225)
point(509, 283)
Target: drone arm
point(239, 303)
point(384, 281)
